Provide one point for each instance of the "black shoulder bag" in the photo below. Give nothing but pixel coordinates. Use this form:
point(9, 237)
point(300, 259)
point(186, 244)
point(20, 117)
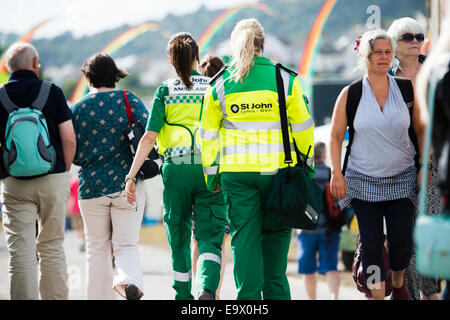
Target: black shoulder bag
point(295, 198)
point(133, 134)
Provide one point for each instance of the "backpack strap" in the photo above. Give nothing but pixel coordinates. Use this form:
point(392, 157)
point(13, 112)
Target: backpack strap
point(407, 90)
point(6, 101)
point(38, 103)
point(353, 98)
point(42, 97)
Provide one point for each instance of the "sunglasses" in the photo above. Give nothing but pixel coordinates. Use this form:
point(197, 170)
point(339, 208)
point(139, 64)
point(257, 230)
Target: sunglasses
point(408, 37)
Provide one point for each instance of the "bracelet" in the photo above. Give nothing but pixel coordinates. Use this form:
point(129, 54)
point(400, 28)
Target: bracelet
point(127, 177)
point(429, 166)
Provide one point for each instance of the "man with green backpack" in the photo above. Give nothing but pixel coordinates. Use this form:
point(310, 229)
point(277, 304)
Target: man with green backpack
point(38, 145)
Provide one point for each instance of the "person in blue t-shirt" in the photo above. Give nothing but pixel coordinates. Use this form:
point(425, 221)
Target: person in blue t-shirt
point(322, 239)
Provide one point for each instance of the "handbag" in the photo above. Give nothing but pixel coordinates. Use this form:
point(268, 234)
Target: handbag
point(358, 274)
point(133, 134)
point(295, 199)
point(431, 233)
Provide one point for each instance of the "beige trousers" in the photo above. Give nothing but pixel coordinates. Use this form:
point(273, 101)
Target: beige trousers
point(111, 220)
point(24, 201)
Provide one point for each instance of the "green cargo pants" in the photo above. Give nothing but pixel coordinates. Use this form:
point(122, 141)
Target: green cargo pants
point(260, 242)
point(185, 192)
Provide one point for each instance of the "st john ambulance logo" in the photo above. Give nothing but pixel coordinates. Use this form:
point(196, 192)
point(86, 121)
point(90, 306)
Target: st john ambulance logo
point(235, 108)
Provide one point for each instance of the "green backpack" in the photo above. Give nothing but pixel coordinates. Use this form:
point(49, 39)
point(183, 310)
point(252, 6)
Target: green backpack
point(27, 151)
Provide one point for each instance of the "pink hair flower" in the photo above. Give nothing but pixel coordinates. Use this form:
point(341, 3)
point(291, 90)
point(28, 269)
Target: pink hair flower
point(357, 43)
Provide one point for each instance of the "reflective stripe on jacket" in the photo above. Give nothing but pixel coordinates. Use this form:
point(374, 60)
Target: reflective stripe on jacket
point(178, 124)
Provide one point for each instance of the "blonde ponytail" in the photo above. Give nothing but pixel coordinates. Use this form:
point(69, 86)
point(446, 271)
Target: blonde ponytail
point(246, 42)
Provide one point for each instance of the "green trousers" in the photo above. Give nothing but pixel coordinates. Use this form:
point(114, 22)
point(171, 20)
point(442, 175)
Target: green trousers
point(260, 242)
point(185, 192)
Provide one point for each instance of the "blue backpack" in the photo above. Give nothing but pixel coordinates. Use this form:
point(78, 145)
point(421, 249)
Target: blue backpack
point(27, 151)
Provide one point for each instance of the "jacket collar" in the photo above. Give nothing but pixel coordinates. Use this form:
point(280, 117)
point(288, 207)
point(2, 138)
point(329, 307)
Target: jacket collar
point(262, 60)
point(22, 74)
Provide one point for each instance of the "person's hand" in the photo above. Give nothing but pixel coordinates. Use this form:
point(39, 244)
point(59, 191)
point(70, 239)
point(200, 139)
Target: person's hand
point(419, 177)
point(130, 191)
point(219, 186)
point(338, 186)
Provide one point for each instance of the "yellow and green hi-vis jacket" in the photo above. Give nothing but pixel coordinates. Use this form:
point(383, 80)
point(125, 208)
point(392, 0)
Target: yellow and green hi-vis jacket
point(174, 115)
point(240, 126)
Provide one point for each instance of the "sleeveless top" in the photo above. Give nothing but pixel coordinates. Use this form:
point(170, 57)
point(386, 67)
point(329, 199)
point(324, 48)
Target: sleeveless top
point(381, 145)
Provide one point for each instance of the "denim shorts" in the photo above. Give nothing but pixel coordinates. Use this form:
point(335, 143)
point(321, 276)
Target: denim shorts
point(328, 248)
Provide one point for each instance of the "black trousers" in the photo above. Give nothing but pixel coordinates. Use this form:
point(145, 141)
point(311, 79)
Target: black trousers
point(399, 215)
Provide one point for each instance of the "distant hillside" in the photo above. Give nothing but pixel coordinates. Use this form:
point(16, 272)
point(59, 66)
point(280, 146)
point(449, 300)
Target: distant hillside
point(290, 24)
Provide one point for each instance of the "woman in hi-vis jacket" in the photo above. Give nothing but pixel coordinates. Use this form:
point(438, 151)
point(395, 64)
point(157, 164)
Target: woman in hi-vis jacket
point(173, 120)
point(242, 148)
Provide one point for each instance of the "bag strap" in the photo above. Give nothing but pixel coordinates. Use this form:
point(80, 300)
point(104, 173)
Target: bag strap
point(353, 97)
point(38, 103)
point(283, 116)
point(128, 108)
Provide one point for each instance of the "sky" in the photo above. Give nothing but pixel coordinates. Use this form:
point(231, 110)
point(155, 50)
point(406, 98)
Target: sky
point(86, 17)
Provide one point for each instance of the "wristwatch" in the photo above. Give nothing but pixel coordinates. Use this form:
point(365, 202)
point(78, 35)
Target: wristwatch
point(127, 177)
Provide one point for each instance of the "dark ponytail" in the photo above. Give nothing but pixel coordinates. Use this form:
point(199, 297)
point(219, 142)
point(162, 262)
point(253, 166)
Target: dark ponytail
point(183, 50)
point(210, 65)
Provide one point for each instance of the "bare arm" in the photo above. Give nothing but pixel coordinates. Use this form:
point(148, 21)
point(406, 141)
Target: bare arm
point(419, 125)
point(145, 146)
point(419, 128)
point(68, 142)
point(338, 129)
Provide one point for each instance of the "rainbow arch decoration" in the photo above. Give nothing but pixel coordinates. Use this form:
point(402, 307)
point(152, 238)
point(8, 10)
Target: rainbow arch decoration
point(25, 38)
point(207, 37)
point(305, 67)
point(111, 48)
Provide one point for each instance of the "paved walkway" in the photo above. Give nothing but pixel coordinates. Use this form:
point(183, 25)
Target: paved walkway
point(158, 276)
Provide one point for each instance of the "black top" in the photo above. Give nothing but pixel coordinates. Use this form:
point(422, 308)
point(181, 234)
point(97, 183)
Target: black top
point(23, 88)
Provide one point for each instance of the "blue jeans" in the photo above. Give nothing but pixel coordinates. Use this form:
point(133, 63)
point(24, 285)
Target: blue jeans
point(399, 215)
point(326, 245)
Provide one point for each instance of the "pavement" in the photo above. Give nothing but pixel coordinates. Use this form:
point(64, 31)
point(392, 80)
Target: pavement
point(156, 264)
